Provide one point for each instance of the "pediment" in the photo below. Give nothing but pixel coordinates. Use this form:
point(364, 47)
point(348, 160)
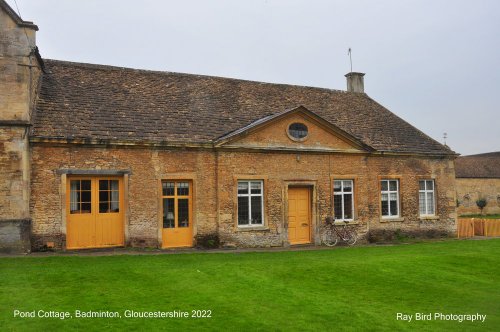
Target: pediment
point(273, 133)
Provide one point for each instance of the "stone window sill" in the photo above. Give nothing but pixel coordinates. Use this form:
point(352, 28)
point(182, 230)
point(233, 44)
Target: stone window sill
point(392, 219)
point(428, 218)
point(340, 222)
point(252, 229)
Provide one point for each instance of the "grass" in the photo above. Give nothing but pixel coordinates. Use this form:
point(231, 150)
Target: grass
point(483, 216)
point(359, 288)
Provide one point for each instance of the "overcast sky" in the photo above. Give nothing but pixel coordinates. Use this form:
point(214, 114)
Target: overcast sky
point(434, 63)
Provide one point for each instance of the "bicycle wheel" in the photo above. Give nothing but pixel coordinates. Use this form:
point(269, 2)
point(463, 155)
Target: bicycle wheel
point(329, 237)
point(351, 237)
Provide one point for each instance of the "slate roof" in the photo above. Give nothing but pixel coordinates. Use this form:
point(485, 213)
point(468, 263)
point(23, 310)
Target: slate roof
point(113, 103)
point(485, 165)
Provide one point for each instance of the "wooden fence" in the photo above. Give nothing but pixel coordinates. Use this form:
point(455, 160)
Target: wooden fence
point(469, 227)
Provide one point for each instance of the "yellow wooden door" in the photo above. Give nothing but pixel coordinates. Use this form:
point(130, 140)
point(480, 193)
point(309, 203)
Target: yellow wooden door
point(299, 215)
point(94, 210)
point(80, 221)
point(177, 220)
point(109, 228)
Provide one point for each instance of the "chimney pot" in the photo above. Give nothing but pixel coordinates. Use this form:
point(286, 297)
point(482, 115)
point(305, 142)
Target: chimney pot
point(355, 82)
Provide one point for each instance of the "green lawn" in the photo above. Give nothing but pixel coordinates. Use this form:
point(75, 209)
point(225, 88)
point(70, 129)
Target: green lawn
point(361, 288)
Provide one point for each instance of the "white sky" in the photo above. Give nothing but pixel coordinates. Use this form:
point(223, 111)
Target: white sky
point(435, 63)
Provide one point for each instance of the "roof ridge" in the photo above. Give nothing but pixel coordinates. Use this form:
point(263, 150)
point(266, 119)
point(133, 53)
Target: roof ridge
point(483, 155)
point(111, 67)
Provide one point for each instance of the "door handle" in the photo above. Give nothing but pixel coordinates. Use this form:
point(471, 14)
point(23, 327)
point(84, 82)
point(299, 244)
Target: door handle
point(304, 224)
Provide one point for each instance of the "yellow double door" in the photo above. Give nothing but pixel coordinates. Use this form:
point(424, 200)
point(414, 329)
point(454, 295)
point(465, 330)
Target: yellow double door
point(94, 212)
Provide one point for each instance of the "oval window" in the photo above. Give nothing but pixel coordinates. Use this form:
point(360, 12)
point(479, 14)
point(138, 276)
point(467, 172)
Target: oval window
point(297, 130)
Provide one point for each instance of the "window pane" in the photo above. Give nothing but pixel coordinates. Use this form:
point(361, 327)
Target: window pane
point(337, 206)
point(85, 184)
point(384, 186)
point(113, 185)
point(242, 188)
point(75, 207)
point(393, 196)
point(114, 207)
point(347, 186)
point(115, 196)
point(394, 208)
point(385, 197)
point(103, 196)
point(337, 185)
point(86, 196)
point(430, 185)
point(103, 185)
point(430, 203)
point(243, 213)
point(348, 206)
point(168, 213)
point(183, 189)
point(75, 185)
point(385, 208)
point(168, 188)
point(255, 187)
point(256, 209)
point(421, 185)
point(74, 196)
point(86, 208)
point(103, 207)
point(297, 130)
point(393, 185)
point(183, 212)
point(421, 202)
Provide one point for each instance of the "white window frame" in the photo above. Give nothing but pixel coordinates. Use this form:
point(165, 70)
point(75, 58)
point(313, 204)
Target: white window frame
point(389, 192)
point(341, 193)
point(425, 191)
point(250, 195)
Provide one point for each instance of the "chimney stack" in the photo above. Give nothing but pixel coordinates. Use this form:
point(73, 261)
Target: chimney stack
point(355, 82)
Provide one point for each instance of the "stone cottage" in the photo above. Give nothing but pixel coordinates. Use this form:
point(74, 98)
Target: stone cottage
point(478, 176)
point(101, 156)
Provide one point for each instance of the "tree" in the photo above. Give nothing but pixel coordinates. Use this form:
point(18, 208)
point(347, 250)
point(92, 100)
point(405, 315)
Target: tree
point(481, 203)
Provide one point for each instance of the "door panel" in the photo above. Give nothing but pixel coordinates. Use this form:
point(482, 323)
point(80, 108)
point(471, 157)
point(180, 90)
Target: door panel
point(299, 215)
point(80, 224)
point(177, 219)
point(94, 213)
point(109, 222)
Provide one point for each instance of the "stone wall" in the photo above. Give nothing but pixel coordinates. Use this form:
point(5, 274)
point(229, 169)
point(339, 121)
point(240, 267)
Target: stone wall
point(289, 169)
point(147, 168)
point(17, 78)
point(15, 236)
point(14, 173)
point(470, 190)
point(215, 176)
point(19, 74)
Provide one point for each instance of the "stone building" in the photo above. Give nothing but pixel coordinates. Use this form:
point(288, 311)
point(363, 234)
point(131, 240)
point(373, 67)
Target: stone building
point(478, 176)
point(20, 66)
point(102, 156)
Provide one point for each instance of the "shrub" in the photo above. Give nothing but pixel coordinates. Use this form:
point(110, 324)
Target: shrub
point(399, 235)
point(481, 203)
point(208, 241)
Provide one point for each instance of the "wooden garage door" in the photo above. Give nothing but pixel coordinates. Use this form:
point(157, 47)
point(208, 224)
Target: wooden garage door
point(94, 212)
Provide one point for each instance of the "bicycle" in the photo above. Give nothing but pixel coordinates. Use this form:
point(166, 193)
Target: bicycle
point(334, 232)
